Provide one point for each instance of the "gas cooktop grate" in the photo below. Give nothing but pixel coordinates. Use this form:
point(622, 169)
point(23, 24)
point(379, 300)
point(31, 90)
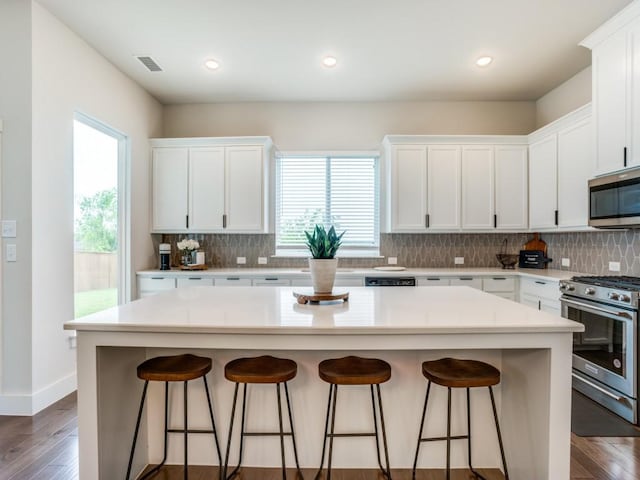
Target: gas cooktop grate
point(622, 282)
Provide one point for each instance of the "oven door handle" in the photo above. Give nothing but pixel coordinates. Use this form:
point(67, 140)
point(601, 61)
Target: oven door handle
point(598, 309)
point(599, 388)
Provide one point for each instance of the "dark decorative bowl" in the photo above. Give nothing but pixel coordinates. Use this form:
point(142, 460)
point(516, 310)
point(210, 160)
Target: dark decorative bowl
point(508, 260)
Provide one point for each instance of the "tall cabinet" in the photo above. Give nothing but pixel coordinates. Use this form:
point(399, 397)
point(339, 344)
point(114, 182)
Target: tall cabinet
point(616, 90)
point(210, 185)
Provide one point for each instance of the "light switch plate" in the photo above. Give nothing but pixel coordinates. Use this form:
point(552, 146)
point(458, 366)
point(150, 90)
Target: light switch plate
point(262, 260)
point(614, 266)
point(392, 260)
point(458, 261)
point(566, 262)
point(12, 255)
point(9, 229)
point(241, 260)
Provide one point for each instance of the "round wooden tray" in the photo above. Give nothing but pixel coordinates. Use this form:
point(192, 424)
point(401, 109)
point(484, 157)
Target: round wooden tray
point(311, 297)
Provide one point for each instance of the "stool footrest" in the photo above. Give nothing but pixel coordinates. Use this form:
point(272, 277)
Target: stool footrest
point(190, 430)
point(440, 439)
point(265, 434)
point(351, 434)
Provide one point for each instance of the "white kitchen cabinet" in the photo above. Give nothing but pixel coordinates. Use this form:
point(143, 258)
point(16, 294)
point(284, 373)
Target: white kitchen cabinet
point(478, 208)
point(208, 185)
point(432, 281)
point(270, 281)
point(473, 282)
point(194, 281)
point(543, 183)
point(233, 282)
point(501, 286)
point(560, 164)
point(511, 187)
point(148, 286)
point(443, 192)
point(408, 185)
point(541, 294)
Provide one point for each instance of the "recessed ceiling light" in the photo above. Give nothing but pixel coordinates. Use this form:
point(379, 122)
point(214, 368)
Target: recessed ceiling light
point(212, 64)
point(484, 61)
point(329, 61)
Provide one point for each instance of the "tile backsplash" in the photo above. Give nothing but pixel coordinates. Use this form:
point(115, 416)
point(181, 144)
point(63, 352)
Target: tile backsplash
point(589, 252)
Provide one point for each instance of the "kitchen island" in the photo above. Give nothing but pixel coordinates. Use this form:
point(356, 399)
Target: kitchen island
point(403, 326)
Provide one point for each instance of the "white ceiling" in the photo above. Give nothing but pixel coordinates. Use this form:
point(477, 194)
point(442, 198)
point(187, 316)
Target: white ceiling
point(271, 50)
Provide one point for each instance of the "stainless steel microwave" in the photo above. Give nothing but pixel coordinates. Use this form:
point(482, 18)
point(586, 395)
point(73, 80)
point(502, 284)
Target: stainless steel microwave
point(614, 200)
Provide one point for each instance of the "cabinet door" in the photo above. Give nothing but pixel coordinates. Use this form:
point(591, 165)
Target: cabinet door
point(443, 202)
point(543, 181)
point(244, 168)
point(610, 101)
point(512, 191)
point(408, 188)
point(477, 187)
point(169, 173)
point(206, 189)
point(467, 282)
point(575, 167)
point(633, 127)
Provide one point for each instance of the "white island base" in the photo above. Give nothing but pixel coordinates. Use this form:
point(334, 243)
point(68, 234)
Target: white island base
point(403, 326)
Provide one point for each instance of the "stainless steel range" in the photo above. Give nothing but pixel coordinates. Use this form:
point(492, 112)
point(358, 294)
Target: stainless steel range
point(605, 355)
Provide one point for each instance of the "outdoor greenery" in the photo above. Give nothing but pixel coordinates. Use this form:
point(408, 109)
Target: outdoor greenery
point(97, 227)
point(93, 301)
point(323, 244)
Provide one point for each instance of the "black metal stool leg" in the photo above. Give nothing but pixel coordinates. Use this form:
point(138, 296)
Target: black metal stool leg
point(448, 433)
point(333, 424)
point(293, 436)
point(375, 427)
point(233, 414)
point(213, 425)
point(135, 434)
point(326, 431)
point(424, 412)
point(495, 417)
point(284, 467)
point(186, 434)
point(166, 434)
point(477, 475)
point(384, 434)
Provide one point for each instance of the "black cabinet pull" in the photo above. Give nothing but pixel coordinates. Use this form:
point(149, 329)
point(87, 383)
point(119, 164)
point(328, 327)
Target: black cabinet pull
point(540, 283)
point(233, 278)
point(495, 221)
point(224, 221)
point(157, 278)
point(499, 278)
point(195, 278)
point(433, 279)
point(466, 278)
point(556, 214)
point(187, 218)
point(426, 220)
point(271, 279)
point(625, 156)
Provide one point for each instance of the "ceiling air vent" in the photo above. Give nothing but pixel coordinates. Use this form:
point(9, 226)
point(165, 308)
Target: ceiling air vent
point(150, 63)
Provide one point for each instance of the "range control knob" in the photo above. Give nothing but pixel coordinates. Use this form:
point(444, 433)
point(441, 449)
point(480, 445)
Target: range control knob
point(589, 291)
point(563, 286)
point(625, 298)
point(570, 288)
point(614, 296)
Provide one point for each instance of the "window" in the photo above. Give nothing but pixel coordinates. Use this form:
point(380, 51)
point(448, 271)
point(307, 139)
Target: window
point(98, 160)
point(331, 190)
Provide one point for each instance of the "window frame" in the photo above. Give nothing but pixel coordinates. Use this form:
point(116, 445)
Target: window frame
point(345, 250)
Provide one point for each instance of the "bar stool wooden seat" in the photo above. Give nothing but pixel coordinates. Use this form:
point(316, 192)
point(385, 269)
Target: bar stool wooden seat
point(176, 368)
point(455, 373)
point(354, 371)
point(261, 370)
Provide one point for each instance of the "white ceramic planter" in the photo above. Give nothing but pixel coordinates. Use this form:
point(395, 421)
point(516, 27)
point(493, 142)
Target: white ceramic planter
point(323, 273)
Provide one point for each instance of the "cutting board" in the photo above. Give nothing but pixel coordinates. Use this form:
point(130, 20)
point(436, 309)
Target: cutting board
point(536, 244)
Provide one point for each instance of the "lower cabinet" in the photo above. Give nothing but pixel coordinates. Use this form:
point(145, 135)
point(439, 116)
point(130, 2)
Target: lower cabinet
point(232, 282)
point(148, 286)
point(473, 282)
point(504, 287)
point(540, 294)
point(432, 281)
point(193, 281)
point(271, 282)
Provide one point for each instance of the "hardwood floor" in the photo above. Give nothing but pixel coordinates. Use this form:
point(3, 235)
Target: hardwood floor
point(45, 447)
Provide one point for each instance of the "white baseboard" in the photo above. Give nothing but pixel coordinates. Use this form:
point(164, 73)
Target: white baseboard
point(30, 404)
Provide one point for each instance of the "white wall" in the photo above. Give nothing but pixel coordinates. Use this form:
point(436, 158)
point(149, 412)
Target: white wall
point(346, 126)
point(565, 98)
point(15, 110)
point(38, 109)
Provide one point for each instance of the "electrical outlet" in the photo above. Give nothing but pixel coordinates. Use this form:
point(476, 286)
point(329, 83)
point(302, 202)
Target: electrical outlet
point(392, 260)
point(12, 255)
point(241, 260)
point(262, 260)
point(566, 262)
point(9, 229)
point(458, 261)
point(614, 266)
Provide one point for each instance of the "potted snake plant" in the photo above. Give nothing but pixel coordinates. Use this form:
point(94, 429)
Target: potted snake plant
point(323, 246)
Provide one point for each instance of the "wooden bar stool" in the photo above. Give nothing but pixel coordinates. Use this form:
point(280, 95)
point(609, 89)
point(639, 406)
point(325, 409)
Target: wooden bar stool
point(177, 368)
point(453, 373)
point(354, 371)
point(261, 370)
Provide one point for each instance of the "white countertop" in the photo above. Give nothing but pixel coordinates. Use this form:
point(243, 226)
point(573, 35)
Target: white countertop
point(547, 274)
point(274, 310)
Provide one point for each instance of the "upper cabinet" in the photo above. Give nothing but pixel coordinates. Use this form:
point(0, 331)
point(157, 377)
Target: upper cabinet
point(616, 90)
point(454, 183)
point(210, 185)
point(560, 164)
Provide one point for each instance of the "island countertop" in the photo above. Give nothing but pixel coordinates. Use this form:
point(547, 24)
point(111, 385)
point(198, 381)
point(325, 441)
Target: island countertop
point(270, 310)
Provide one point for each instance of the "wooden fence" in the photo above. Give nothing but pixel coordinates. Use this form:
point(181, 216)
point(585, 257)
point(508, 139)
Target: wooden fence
point(95, 271)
